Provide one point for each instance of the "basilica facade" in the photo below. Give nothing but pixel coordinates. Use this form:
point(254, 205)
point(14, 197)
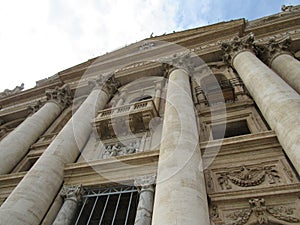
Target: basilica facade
point(194, 127)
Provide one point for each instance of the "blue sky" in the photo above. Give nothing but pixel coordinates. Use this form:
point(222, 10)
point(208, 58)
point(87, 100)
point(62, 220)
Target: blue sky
point(39, 38)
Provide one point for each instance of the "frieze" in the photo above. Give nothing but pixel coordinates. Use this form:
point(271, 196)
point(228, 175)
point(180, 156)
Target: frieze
point(259, 213)
point(246, 177)
point(119, 149)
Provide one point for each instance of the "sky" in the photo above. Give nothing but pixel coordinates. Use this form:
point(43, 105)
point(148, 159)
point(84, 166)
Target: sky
point(39, 38)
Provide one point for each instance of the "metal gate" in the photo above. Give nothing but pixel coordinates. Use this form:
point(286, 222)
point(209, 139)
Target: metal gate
point(109, 206)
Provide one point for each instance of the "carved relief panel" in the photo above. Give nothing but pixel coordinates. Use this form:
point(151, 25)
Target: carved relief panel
point(262, 175)
point(256, 211)
point(123, 147)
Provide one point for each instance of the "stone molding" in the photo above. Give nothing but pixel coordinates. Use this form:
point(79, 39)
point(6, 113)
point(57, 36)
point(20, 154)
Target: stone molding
point(235, 46)
point(72, 192)
point(268, 52)
point(35, 107)
point(105, 82)
point(60, 95)
point(182, 60)
point(145, 182)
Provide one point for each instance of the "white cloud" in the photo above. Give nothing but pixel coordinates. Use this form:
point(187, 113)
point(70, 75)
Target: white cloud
point(39, 38)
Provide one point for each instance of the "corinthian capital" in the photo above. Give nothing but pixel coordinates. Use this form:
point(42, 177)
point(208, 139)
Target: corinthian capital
point(235, 46)
point(178, 61)
point(268, 52)
point(73, 192)
point(60, 95)
point(35, 107)
point(106, 83)
point(145, 182)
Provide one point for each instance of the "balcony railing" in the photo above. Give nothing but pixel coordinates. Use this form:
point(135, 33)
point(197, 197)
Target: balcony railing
point(125, 119)
point(221, 91)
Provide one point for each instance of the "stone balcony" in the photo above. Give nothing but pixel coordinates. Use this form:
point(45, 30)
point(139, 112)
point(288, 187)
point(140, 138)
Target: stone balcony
point(124, 120)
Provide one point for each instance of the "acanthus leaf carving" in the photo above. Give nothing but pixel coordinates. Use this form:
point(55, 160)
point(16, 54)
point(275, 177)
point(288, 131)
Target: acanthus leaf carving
point(35, 107)
point(182, 60)
point(73, 192)
point(105, 82)
point(275, 47)
point(60, 95)
point(235, 46)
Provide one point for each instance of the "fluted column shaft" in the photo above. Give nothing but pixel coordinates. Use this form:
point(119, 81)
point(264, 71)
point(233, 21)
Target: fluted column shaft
point(180, 195)
point(16, 144)
point(121, 99)
point(277, 101)
point(157, 96)
point(276, 54)
point(30, 200)
point(289, 70)
point(145, 205)
point(72, 196)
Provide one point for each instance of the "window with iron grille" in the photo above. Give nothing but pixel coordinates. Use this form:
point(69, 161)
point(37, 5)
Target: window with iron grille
point(108, 206)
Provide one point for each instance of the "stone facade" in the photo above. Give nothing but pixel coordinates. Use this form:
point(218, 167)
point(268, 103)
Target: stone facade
point(194, 127)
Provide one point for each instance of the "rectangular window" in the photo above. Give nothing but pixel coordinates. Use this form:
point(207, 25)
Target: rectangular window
point(230, 129)
point(109, 206)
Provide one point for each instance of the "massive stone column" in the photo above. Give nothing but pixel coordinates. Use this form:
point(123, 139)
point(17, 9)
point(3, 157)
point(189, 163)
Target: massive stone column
point(157, 96)
point(30, 200)
point(16, 144)
point(145, 205)
point(72, 196)
point(277, 56)
point(277, 101)
point(121, 99)
point(180, 194)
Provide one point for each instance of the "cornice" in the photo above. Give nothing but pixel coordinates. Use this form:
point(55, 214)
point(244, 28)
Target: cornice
point(203, 41)
point(290, 189)
point(118, 169)
point(251, 142)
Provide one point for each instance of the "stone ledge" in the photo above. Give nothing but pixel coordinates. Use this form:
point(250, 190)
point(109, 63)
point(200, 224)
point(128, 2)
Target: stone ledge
point(259, 192)
point(112, 170)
